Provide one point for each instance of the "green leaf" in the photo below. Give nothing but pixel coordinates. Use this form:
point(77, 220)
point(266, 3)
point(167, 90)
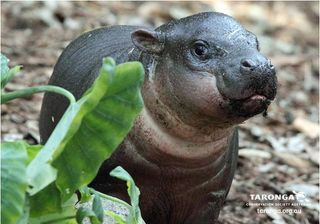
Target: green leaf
point(85, 194)
point(26, 213)
point(109, 110)
point(86, 212)
point(133, 191)
point(40, 173)
point(4, 66)
point(46, 201)
point(13, 181)
point(97, 207)
point(118, 218)
point(67, 215)
point(32, 151)
point(110, 198)
point(6, 73)
point(90, 130)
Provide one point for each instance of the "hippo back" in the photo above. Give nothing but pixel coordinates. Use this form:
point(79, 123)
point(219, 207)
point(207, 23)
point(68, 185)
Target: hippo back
point(78, 67)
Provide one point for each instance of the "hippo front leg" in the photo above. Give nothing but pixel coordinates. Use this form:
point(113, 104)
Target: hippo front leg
point(208, 211)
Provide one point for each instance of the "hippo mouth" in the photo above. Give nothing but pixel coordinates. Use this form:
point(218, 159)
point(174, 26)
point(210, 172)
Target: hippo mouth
point(248, 97)
point(250, 106)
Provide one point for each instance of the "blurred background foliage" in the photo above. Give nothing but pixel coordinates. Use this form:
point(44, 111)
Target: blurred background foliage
point(279, 153)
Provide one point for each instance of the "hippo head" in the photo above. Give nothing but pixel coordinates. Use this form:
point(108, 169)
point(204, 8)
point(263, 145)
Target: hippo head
point(207, 67)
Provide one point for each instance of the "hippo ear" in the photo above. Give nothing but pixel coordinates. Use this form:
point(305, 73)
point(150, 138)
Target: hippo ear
point(147, 40)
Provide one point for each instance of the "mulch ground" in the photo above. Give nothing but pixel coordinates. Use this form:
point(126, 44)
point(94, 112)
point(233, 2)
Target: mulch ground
point(279, 153)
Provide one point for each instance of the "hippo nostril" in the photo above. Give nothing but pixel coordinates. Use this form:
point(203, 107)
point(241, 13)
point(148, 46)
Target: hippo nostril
point(247, 63)
point(271, 66)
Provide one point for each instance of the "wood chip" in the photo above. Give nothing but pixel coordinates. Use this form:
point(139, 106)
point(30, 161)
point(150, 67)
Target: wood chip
point(292, 60)
point(307, 127)
point(314, 154)
point(293, 160)
point(251, 153)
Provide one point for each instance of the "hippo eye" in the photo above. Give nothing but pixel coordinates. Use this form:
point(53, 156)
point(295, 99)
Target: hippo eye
point(200, 49)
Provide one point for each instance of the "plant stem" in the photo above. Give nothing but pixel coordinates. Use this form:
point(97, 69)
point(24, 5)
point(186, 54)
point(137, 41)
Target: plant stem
point(110, 198)
point(5, 97)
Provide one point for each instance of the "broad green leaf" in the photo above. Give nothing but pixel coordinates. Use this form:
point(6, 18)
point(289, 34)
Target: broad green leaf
point(6, 73)
point(133, 191)
point(118, 218)
point(40, 173)
point(13, 181)
point(109, 109)
point(67, 215)
point(97, 207)
point(110, 198)
point(32, 151)
point(46, 201)
point(26, 213)
point(90, 130)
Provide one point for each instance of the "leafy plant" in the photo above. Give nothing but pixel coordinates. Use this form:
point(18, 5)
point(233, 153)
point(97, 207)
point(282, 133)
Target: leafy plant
point(47, 177)
point(13, 176)
point(6, 73)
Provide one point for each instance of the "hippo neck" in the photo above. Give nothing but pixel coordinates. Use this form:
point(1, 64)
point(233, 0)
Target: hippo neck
point(159, 146)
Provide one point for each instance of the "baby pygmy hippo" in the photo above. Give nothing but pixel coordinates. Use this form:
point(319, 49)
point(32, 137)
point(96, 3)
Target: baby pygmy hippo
point(204, 75)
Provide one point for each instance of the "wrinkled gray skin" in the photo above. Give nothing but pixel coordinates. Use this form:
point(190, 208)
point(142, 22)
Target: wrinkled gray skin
point(204, 75)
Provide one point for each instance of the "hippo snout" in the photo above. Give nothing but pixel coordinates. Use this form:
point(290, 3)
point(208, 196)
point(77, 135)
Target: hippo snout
point(249, 83)
point(254, 65)
point(257, 86)
point(260, 75)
